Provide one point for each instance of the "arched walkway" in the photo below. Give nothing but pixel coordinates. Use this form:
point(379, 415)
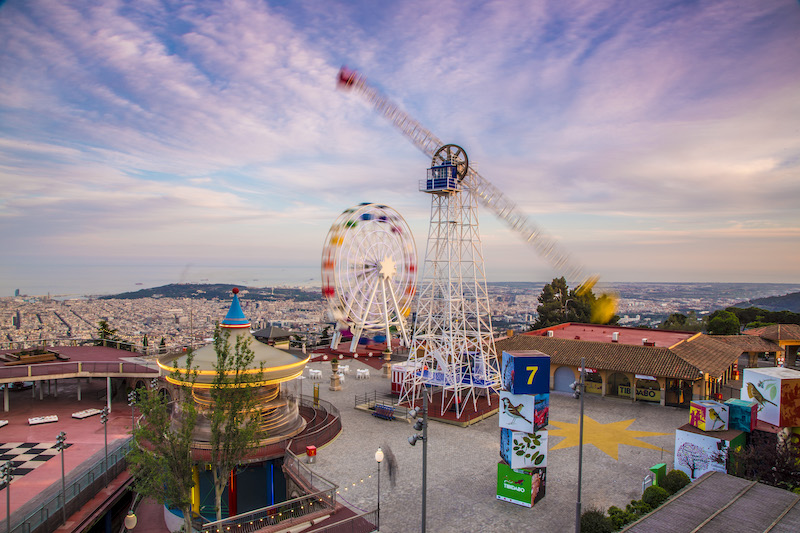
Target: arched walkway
point(618, 385)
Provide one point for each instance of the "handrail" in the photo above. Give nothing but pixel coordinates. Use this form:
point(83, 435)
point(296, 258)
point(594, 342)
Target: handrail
point(46, 516)
point(119, 344)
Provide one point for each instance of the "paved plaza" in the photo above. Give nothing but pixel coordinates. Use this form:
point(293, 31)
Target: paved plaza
point(462, 462)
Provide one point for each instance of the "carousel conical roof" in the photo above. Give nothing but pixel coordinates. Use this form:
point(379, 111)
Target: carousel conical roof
point(278, 365)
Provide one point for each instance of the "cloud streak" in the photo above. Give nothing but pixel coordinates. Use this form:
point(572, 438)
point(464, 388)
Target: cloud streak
point(172, 127)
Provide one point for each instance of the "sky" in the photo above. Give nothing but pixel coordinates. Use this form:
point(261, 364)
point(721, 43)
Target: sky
point(656, 141)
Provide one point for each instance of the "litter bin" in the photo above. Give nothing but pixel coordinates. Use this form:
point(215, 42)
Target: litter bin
point(311, 454)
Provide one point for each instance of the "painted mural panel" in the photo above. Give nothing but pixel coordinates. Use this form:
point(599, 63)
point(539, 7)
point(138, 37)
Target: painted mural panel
point(696, 454)
point(777, 392)
point(523, 450)
point(742, 414)
point(524, 412)
point(708, 415)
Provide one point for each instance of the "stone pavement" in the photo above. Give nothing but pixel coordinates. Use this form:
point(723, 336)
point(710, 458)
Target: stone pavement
point(462, 462)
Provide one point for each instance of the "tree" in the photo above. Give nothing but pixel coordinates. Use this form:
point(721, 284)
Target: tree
point(235, 417)
point(767, 460)
point(105, 331)
point(160, 460)
point(723, 323)
point(693, 457)
point(558, 304)
point(681, 322)
point(162, 346)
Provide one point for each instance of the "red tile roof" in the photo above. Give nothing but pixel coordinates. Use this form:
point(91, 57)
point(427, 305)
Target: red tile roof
point(649, 360)
point(777, 332)
point(748, 343)
point(710, 355)
point(604, 333)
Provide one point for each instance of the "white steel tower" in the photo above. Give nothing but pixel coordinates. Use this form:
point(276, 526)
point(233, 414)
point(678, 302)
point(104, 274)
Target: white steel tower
point(452, 346)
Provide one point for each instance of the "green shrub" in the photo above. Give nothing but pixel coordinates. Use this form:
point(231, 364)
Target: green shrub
point(638, 507)
point(619, 517)
point(595, 521)
point(674, 481)
point(654, 496)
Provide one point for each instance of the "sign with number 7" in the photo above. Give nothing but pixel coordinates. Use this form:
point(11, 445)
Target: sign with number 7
point(526, 372)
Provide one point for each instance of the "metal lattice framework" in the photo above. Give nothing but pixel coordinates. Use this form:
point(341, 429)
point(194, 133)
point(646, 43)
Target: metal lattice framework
point(452, 347)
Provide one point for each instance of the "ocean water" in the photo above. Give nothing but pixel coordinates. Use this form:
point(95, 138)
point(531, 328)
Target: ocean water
point(83, 280)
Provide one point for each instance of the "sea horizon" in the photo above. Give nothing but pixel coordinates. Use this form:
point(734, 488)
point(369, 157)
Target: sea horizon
point(100, 280)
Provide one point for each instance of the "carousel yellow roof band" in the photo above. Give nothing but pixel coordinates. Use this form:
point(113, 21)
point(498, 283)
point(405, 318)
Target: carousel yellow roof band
point(266, 370)
point(200, 385)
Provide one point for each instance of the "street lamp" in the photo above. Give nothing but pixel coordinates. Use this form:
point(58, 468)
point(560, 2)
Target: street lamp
point(6, 474)
point(582, 388)
point(422, 424)
point(104, 421)
point(379, 459)
point(130, 520)
point(61, 445)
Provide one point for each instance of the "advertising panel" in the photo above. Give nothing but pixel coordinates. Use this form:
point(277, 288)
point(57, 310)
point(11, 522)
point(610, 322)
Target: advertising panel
point(524, 412)
point(647, 395)
point(526, 372)
point(522, 487)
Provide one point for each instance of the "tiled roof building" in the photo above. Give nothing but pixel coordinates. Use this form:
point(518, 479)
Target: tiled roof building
point(650, 365)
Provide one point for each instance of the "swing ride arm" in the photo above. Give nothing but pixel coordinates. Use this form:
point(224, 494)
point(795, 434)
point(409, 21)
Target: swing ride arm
point(487, 194)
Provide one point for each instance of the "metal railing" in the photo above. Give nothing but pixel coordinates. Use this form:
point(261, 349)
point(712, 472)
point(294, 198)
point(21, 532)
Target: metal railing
point(370, 399)
point(288, 513)
point(74, 367)
point(120, 345)
point(47, 516)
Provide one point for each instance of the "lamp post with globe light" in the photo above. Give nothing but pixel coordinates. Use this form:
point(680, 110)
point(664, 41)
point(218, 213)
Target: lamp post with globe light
point(379, 458)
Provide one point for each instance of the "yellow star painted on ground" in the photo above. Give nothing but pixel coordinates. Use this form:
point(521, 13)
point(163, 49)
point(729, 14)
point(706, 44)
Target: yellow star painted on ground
point(605, 437)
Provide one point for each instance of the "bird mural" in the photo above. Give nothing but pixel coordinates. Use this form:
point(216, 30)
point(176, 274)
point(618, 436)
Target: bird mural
point(513, 410)
point(714, 415)
point(757, 396)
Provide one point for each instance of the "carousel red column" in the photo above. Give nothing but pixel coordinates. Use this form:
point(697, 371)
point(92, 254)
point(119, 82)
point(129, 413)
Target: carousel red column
point(232, 492)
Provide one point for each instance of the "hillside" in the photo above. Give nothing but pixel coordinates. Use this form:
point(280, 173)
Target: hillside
point(221, 291)
point(787, 302)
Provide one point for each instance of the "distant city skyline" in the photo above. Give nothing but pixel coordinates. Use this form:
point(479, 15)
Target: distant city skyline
point(141, 141)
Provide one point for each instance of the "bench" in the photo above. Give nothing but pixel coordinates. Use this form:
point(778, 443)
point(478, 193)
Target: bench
point(86, 413)
point(36, 420)
point(384, 411)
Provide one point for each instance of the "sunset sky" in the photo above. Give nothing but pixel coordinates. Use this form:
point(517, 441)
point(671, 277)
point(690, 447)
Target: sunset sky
point(657, 141)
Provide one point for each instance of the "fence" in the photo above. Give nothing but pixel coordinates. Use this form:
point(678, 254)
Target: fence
point(370, 399)
point(288, 513)
point(120, 345)
point(49, 369)
point(48, 515)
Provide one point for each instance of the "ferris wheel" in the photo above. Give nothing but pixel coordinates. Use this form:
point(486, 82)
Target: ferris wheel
point(369, 272)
